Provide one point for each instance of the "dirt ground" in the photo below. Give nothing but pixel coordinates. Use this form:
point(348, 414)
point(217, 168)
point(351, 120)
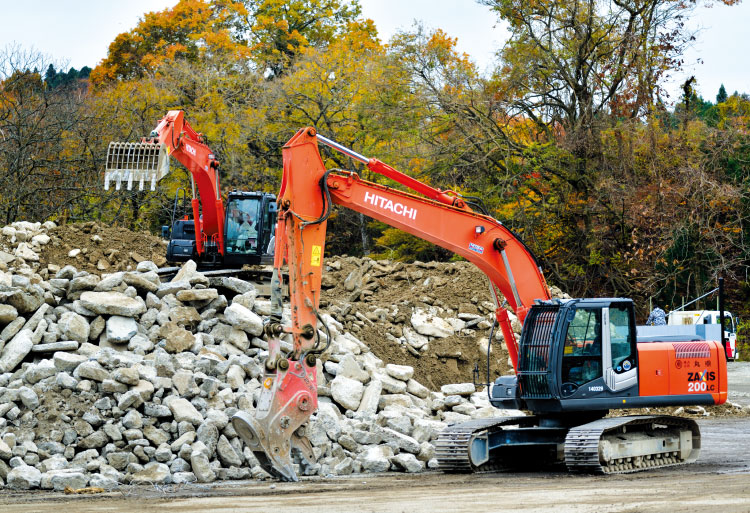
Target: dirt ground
point(717, 482)
point(103, 248)
point(451, 285)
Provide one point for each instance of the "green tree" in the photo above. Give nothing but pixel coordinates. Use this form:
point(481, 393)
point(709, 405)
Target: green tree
point(50, 75)
point(721, 97)
point(54, 79)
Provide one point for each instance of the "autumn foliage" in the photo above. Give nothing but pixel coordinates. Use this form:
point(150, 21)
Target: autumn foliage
point(570, 141)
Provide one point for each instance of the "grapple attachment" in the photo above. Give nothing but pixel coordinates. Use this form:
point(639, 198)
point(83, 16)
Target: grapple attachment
point(135, 162)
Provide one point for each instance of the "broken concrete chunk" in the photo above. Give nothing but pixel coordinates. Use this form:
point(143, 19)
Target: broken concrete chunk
point(112, 303)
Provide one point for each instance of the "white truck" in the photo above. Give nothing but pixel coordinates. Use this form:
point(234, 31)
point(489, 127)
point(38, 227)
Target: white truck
point(701, 317)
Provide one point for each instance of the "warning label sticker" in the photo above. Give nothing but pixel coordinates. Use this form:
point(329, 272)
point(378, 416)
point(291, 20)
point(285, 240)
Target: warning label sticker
point(317, 252)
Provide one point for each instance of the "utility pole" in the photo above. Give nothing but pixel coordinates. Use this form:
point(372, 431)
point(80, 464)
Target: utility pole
point(721, 314)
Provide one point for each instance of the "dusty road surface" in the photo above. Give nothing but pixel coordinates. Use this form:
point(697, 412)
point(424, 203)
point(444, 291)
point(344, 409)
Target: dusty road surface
point(738, 375)
point(719, 481)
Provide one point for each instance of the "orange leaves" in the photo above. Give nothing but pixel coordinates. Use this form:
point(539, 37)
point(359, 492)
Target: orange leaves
point(443, 47)
point(270, 32)
point(189, 30)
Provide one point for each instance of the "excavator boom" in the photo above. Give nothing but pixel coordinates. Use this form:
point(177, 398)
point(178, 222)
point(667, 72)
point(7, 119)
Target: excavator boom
point(307, 194)
point(308, 190)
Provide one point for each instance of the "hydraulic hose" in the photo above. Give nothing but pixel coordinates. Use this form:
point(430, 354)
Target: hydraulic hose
point(489, 348)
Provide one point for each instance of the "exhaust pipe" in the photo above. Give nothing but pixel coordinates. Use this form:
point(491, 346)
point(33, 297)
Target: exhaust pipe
point(137, 162)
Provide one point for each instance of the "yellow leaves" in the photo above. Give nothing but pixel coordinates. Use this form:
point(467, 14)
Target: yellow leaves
point(332, 89)
point(734, 113)
point(442, 45)
point(280, 30)
point(596, 257)
point(191, 29)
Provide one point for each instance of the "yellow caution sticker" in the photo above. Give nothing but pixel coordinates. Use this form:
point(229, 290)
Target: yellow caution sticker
point(317, 252)
point(268, 382)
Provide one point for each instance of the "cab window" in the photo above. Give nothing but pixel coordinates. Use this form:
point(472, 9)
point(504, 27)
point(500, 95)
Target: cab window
point(621, 338)
point(270, 224)
point(582, 352)
point(242, 229)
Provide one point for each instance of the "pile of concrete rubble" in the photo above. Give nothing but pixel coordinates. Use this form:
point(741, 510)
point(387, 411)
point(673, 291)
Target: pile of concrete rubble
point(125, 378)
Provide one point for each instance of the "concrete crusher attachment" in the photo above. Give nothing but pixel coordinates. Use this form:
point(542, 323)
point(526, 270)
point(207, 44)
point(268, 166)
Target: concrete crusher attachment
point(135, 162)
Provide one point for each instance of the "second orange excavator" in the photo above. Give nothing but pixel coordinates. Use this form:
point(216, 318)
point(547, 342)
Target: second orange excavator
point(215, 236)
point(576, 359)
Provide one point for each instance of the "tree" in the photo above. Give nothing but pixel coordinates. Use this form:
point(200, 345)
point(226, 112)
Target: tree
point(222, 98)
point(44, 168)
point(721, 97)
point(573, 69)
point(279, 29)
point(128, 111)
point(352, 92)
point(569, 62)
point(269, 32)
point(464, 127)
point(50, 75)
point(53, 79)
point(189, 30)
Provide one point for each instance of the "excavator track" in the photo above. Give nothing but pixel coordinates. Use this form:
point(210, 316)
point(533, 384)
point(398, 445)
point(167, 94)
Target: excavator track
point(453, 445)
point(622, 445)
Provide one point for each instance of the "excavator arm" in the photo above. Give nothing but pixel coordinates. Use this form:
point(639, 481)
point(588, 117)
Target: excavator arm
point(308, 191)
point(149, 160)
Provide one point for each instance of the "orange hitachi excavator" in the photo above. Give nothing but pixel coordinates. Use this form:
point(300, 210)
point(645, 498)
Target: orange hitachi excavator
point(576, 359)
point(216, 236)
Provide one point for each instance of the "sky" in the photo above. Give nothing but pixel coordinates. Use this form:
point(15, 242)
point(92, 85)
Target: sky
point(77, 33)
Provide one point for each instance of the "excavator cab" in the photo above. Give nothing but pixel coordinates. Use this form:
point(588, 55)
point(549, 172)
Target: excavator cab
point(584, 355)
point(250, 221)
point(574, 355)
